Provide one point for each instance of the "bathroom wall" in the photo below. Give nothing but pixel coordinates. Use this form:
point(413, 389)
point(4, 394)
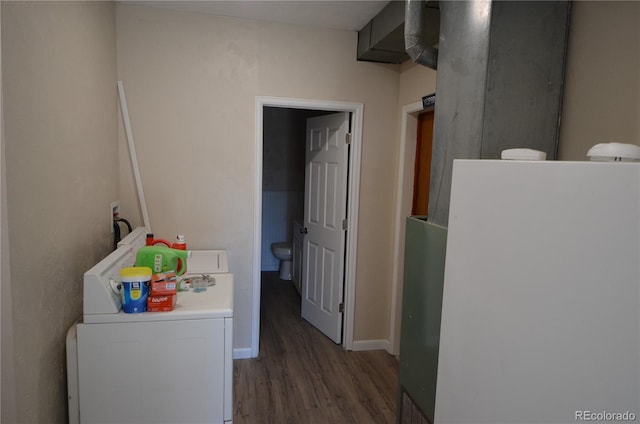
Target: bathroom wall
point(283, 172)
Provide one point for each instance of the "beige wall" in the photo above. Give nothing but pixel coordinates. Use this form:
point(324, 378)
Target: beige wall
point(61, 153)
point(602, 87)
point(191, 82)
point(7, 398)
point(416, 81)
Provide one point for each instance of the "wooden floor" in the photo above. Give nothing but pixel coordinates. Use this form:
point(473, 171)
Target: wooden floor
point(303, 377)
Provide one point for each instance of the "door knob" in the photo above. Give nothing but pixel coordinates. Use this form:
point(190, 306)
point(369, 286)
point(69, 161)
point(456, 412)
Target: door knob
point(304, 230)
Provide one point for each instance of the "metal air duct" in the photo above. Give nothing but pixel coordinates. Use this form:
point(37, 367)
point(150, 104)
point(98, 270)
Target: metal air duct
point(499, 83)
point(383, 38)
point(415, 34)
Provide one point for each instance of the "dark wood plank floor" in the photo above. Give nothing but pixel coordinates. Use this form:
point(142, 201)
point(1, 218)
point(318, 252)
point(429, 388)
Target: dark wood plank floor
point(301, 376)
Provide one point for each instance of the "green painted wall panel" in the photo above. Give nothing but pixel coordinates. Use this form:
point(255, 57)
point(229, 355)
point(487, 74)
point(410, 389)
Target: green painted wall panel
point(425, 246)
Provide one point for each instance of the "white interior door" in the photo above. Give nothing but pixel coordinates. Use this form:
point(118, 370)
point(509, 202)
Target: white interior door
point(324, 212)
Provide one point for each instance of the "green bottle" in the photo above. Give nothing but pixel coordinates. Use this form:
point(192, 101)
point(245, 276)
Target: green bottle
point(163, 259)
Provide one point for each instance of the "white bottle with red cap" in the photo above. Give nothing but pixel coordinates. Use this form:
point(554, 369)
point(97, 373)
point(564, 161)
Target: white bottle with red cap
point(180, 244)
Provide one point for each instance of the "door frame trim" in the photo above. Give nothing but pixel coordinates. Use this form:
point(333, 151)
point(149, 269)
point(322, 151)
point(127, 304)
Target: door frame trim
point(404, 200)
point(353, 201)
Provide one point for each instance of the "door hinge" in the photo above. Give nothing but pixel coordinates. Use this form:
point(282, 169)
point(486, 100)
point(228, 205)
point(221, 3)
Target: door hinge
point(341, 308)
point(345, 224)
point(347, 138)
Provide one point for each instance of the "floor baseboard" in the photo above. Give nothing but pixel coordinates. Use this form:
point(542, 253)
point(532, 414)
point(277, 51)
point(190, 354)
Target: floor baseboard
point(371, 345)
point(242, 353)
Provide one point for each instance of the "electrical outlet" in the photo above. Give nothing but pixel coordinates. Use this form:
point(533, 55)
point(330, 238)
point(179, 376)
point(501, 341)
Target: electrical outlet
point(114, 210)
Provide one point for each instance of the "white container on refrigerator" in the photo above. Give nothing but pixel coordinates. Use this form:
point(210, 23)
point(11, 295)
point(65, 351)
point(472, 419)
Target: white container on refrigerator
point(541, 303)
point(163, 367)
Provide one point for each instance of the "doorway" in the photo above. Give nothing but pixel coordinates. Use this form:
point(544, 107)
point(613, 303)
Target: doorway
point(422, 173)
point(283, 177)
point(405, 194)
point(353, 188)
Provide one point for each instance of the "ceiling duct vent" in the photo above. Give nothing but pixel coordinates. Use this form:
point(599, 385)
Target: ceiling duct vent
point(382, 39)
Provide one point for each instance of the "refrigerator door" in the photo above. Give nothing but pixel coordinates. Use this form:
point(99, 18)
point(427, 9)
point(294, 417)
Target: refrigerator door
point(540, 313)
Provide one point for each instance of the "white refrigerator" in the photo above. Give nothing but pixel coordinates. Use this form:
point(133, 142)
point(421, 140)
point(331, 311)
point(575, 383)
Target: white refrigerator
point(541, 302)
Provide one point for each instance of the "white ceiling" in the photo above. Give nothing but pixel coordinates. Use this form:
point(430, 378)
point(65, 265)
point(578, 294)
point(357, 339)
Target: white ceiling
point(346, 14)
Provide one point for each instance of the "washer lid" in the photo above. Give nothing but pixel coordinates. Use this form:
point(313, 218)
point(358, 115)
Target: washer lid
point(208, 262)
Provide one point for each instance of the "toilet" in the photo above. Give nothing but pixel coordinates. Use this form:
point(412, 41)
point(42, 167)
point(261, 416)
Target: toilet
point(283, 252)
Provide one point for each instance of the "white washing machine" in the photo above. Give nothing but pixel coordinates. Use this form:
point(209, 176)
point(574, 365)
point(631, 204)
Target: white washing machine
point(153, 367)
